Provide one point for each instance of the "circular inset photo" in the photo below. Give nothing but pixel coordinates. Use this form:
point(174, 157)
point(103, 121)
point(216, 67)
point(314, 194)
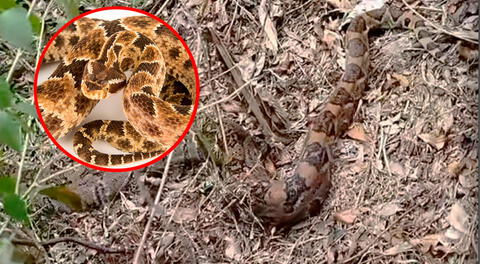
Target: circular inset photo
point(116, 89)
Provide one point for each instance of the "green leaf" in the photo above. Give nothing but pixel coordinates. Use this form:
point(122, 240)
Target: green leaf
point(64, 195)
point(70, 7)
point(15, 27)
point(6, 95)
point(10, 131)
point(6, 4)
point(25, 108)
point(36, 24)
point(7, 185)
point(15, 207)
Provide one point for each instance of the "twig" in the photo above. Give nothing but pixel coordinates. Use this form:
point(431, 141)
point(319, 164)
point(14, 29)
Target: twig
point(27, 135)
point(152, 213)
point(161, 8)
point(42, 30)
point(58, 173)
point(439, 28)
point(34, 184)
point(14, 63)
point(84, 243)
point(222, 130)
point(230, 96)
point(219, 75)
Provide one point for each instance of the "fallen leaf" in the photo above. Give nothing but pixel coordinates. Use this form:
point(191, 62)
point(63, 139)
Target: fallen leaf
point(446, 120)
point(343, 5)
point(184, 214)
point(436, 141)
point(247, 67)
point(458, 218)
point(388, 209)
point(268, 27)
point(232, 250)
point(453, 234)
point(455, 168)
point(397, 168)
point(426, 242)
point(330, 255)
point(329, 38)
point(434, 242)
point(347, 216)
point(400, 248)
point(358, 132)
point(404, 82)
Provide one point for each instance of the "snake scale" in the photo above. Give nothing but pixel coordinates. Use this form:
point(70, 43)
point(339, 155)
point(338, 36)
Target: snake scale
point(94, 55)
point(287, 201)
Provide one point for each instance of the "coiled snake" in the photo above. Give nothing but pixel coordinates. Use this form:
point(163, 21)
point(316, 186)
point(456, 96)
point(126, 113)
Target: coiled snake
point(94, 55)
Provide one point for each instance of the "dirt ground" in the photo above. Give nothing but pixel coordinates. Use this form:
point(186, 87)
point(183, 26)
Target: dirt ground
point(405, 174)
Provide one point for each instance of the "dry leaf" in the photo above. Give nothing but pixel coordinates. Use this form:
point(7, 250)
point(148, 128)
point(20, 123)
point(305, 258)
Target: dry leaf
point(127, 203)
point(427, 242)
point(404, 82)
point(436, 141)
point(453, 234)
point(347, 216)
point(330, 255)
point(183, 215)
point(397, 168)
point(358, 132)
point(458, 218)
point(446, 120)
point(232, 250)
point(400, 248)
point(268, 27)
point(455, 168)
point(270, 166)
point(436, 243)
point(388, 209)
point(247, 67)
point(343, 5)
point(329, 38)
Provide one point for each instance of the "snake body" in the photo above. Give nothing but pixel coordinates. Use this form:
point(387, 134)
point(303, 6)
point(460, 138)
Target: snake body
point(94, 55)
point(302, 194)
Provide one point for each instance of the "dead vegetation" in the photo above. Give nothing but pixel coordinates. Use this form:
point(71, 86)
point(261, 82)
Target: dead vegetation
point(404, 184)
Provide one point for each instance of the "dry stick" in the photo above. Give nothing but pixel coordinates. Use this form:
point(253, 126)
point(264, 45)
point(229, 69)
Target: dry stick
point(27, 135)
point(439, 28)
point(34, 183)
point(154, 207)
point(161, 8)
point(42, 29)
point(227, 33)
point(230, 96)
point(384, 152)
point(222, 130)
point(58, 173)
point(76, 240)
point(219, 75)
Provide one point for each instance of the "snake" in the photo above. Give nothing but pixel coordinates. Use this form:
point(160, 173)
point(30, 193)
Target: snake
point(301, 194)
point(94, 57)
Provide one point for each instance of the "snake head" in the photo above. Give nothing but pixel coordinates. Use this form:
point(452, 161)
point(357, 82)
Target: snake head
point(99, 80)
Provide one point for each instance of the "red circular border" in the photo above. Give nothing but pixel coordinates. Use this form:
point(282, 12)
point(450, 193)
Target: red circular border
point(192, 118)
